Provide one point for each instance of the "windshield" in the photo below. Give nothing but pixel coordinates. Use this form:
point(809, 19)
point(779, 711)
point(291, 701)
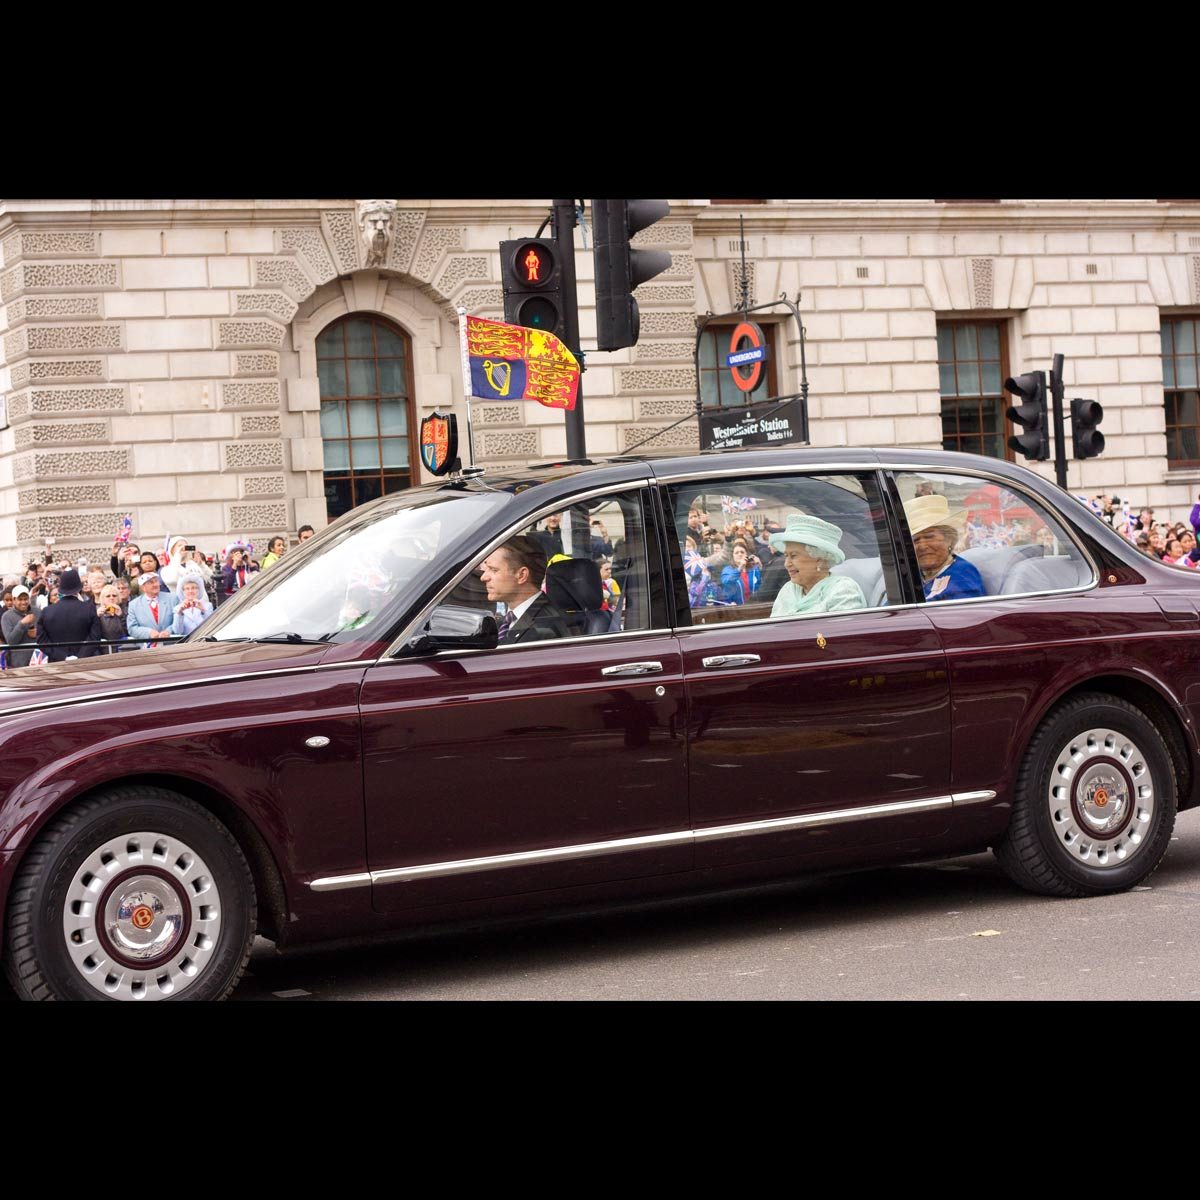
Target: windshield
point(337, 589)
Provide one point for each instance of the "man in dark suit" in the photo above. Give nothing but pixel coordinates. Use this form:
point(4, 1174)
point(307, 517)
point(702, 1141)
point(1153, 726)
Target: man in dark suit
point(71, 620)
point(513, 576)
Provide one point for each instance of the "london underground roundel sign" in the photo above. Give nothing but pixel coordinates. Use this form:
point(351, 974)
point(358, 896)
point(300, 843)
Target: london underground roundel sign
point(747, 353)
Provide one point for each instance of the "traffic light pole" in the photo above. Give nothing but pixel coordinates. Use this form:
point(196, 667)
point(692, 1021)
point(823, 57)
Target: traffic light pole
point(564, 236)
point(1060, 436)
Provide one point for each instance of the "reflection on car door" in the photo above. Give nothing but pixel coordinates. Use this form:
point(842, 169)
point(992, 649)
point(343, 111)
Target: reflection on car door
point(469, 758)
point(837, 727)
point(536, 765)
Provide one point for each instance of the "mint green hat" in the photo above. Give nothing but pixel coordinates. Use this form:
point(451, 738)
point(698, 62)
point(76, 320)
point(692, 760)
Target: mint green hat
point(810, 531)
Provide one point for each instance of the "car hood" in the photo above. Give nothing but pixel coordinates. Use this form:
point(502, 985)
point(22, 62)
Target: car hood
point(137, 670)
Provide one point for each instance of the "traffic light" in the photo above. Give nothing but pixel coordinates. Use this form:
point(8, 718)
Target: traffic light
point(532, 278)
point(1031, 415)
point(619, 268)
point(1086, 439)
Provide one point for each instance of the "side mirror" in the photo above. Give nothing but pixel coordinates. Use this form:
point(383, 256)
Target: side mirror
point(453, 628)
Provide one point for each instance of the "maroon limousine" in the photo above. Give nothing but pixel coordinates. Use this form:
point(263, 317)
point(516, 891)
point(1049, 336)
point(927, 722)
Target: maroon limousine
point(504, 693)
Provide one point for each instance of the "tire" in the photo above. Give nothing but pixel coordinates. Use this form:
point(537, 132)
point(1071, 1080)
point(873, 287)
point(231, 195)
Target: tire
point(133, 894)
point(1095, 801)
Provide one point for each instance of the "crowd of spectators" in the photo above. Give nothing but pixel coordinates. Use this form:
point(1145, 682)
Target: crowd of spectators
point(1175, 544)
point(57, 610)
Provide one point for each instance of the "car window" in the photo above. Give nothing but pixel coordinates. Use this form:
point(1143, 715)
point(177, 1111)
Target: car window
point(579, 571)
point(338, 590)
point(780, 546)
point(975, 537)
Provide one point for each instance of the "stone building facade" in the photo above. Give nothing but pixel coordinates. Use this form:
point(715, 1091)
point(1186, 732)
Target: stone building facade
point(160, 359)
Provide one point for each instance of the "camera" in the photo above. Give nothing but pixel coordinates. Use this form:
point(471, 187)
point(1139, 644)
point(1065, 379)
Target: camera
point(189, 547)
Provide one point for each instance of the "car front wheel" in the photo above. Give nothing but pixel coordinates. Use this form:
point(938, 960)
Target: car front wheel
point(135, 894)
point(1095, 801)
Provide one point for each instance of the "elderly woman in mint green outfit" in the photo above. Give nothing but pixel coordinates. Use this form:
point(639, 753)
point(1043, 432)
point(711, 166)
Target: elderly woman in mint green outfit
point(810, 547)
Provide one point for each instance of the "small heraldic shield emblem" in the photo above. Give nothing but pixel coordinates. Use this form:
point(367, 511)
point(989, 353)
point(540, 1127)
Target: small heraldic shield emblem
point(821, 642)
point(439, 442)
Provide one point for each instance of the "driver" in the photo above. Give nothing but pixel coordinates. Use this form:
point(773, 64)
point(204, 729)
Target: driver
point(513, 575)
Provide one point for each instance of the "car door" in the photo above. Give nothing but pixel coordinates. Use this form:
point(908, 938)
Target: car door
point(1022, 627)
point(539, 764)
point(816, 732)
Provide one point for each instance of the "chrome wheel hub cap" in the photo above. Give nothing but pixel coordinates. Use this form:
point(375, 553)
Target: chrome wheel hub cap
point(142, 917)
point(1101, 797)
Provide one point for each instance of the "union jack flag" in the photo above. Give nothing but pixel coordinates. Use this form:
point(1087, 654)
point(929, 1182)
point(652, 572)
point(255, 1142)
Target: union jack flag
point(732, 504)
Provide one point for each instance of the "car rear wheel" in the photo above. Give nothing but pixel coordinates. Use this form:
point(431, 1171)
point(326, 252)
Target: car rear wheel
point(135, 894)
point(1095, 801)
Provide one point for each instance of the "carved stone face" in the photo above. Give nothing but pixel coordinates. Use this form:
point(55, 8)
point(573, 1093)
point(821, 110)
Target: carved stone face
point(375, 219)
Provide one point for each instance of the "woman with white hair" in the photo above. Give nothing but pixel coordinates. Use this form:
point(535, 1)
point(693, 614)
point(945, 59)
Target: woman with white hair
point(193, 607)
point(810, 548)
point(935, 531)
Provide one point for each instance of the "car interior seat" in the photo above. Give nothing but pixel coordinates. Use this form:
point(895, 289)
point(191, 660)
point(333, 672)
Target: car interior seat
point(868, 574)
point(573, 585)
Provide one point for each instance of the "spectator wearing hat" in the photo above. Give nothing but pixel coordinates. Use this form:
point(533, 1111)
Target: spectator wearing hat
point(173, 557)
point(935, 531)
point(19, 625)
point(151, 613)
point(193, 607)
point(69, 622)
point(239, 568)
point(810, 548)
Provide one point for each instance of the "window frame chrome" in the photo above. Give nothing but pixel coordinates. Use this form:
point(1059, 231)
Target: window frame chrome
point(892, 468)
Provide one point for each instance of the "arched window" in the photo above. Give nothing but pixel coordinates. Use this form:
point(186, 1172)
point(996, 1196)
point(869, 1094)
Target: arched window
point(365, 368)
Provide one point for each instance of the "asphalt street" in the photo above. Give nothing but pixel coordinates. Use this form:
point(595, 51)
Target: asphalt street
point(954, 930)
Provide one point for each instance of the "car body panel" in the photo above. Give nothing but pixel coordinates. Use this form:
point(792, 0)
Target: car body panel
point(462, 757)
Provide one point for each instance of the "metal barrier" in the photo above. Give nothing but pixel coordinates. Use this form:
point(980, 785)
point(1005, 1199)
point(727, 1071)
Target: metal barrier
point(109, 646)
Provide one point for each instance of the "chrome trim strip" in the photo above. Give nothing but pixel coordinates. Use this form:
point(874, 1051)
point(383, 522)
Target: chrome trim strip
point(962, 798)
point(776, 469)
point(613, 489)
point(838, 816)
point(470, 866)
point(339, 883)
point(597, 639)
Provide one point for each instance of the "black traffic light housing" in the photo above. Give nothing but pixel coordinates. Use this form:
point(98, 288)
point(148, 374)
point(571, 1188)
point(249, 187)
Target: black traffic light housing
point(1031, 415)
point(1087, 441)
point(532, 278)
point(620, 268)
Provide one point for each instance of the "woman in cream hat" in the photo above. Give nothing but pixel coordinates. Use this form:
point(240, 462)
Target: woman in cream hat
point(810, 547)
point(935, 531)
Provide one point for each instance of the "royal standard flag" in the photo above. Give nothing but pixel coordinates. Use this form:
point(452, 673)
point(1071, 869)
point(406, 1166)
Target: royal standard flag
point(511, 362)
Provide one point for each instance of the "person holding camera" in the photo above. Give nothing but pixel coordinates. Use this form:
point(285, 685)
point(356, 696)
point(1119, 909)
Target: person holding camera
point(19, 625)
point(193, 607)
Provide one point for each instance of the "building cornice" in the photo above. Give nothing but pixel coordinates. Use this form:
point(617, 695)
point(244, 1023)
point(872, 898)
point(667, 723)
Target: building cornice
point(777, 216)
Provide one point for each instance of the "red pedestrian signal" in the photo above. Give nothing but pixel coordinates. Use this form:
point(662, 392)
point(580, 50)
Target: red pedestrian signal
point(532, 280)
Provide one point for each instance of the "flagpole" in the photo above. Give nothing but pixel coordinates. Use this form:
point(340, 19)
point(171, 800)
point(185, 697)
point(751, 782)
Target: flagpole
point(466, 370)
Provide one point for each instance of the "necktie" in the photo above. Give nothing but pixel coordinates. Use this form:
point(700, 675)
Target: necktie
point(506, 623)
point(154, 610)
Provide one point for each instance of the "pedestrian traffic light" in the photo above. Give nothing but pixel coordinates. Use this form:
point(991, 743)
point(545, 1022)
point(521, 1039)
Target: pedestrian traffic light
point(1030, 414)
point(619, 268)
point(1086, 439)
point(532, 278)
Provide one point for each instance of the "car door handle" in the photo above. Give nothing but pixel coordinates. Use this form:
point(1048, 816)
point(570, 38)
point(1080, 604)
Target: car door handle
point(720, 661)
point(634, 668)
